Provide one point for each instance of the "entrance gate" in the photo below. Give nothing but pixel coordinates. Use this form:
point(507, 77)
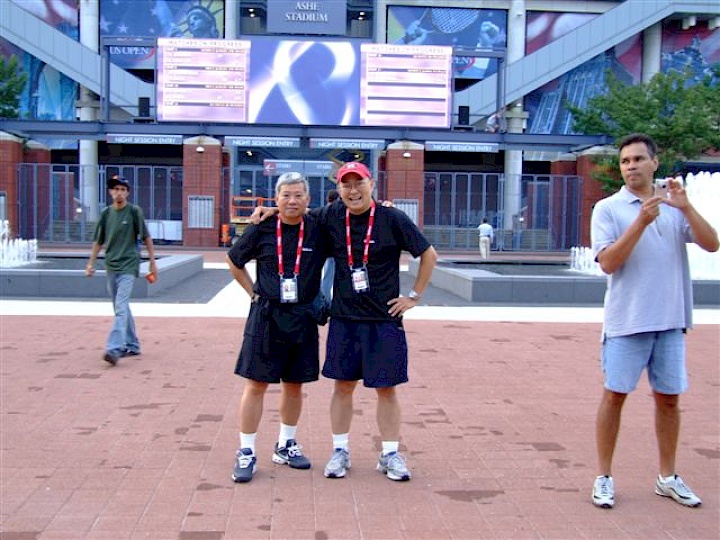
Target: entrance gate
point(51, 209)
point(456, 203)
point(50, 205)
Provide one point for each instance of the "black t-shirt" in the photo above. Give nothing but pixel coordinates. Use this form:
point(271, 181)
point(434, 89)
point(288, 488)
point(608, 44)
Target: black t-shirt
point(258, 242)
point(393, 232)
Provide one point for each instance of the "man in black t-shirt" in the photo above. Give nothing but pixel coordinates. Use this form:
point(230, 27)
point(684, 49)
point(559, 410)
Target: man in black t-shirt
point(366, 339)
point(280, 341)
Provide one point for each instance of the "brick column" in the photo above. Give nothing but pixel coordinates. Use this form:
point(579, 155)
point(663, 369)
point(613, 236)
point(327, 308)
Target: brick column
point(592, 189)
point(405, 169)
point(202, 177)
point(39, 155)
point(11, 154)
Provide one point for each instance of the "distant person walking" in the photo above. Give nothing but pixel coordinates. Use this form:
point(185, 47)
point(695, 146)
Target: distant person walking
point(486, 237)
point(639, 239)
point(119, 228)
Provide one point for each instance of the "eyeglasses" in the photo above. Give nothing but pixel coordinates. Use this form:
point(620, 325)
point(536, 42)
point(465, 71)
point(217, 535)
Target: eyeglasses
point(348, 186)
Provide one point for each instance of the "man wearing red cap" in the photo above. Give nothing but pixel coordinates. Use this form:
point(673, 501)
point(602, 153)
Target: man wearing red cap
point(366, 339)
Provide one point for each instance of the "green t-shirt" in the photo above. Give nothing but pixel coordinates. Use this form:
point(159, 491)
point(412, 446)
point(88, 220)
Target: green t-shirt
point(119, 231)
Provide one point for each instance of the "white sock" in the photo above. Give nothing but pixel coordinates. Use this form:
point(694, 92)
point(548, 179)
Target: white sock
point(666, 478)
point(341, 441)
point(286, 433)
point(390, 446)
point(247, 440)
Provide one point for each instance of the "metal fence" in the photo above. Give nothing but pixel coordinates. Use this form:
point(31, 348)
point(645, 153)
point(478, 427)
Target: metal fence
point(456, 203)
point(52, 205)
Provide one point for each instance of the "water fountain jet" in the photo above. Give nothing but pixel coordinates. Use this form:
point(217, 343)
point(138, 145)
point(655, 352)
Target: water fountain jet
point(15, 252)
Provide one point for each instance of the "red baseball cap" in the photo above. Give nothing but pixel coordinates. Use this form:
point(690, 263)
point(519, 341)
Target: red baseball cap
point(353, 167)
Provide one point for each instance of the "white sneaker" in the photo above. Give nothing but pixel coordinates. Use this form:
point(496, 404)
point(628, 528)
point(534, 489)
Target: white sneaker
point(603, 494)
point(676, 489)
point(393, 466)
point(338, 465)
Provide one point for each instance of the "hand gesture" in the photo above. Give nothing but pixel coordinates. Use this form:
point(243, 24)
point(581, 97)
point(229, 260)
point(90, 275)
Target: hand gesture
point(677, 196)
point(261, 213)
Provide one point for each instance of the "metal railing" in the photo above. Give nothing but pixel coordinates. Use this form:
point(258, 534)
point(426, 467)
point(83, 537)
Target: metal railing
point(53, 203)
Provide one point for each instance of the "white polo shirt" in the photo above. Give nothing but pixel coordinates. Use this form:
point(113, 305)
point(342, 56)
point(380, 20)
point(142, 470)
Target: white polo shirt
point(485, 229)
point(652, 291)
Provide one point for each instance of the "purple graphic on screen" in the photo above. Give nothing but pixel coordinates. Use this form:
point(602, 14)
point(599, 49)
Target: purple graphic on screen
point(304, 82)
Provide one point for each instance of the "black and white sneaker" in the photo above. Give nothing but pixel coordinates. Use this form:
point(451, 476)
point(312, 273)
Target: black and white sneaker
point(245, 465)
point(291, 455)
point(603, 495)
point(678, 490)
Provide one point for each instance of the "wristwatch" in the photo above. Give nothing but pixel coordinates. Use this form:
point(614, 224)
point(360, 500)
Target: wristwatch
point(414, 295)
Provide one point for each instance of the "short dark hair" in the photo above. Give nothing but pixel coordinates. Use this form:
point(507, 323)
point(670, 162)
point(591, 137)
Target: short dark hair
point(332, 196)
point(116, 180)
point(639, 138)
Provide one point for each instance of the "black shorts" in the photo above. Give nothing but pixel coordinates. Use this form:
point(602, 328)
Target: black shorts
point(288, 362)
point(375, 352)
point(273, 360)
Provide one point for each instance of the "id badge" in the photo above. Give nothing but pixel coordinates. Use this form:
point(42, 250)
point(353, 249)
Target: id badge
point(288, 290)
point(360, 280)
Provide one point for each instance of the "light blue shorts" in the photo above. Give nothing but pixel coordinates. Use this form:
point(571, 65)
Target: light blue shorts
point(662, 353)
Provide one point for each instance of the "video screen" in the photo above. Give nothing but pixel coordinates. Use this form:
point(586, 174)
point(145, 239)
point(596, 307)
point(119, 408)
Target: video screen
point(298, 82)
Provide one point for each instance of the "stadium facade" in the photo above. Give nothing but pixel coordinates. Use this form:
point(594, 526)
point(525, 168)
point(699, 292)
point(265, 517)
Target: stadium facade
point(116, 87)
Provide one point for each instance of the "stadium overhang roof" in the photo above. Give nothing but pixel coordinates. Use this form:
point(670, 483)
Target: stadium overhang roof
point(99, 131)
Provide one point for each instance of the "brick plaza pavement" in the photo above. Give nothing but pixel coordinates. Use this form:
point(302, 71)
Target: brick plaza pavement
point(498, 429)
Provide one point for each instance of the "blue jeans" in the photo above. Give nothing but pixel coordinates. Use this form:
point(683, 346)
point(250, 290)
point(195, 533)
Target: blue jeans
point(327, 278)
point(122, 336)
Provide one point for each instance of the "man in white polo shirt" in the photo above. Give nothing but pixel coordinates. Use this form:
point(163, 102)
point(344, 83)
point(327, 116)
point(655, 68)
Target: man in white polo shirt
point(486, 234)
point(639, 238)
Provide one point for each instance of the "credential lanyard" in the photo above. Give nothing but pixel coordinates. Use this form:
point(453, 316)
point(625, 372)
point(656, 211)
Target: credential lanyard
point(368, 235)
point(298, 254)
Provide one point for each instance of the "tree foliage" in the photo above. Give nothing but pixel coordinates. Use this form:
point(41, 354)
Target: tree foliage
point(680, 113)
point(12, 82)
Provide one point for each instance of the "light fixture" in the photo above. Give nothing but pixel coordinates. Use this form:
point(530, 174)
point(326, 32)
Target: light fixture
point(200, 149)
point(407, 155)
point(248, 152)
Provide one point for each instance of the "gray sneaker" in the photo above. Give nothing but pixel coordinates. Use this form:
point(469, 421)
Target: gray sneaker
point(678, 490)
point(393, 466)
point(338, 465)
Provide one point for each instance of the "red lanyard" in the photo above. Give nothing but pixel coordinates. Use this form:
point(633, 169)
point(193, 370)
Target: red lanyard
point(278, 234)
point(368, 235)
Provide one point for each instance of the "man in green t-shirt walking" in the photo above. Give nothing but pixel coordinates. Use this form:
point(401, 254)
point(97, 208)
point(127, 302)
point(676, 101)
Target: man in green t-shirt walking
point(119, 228)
